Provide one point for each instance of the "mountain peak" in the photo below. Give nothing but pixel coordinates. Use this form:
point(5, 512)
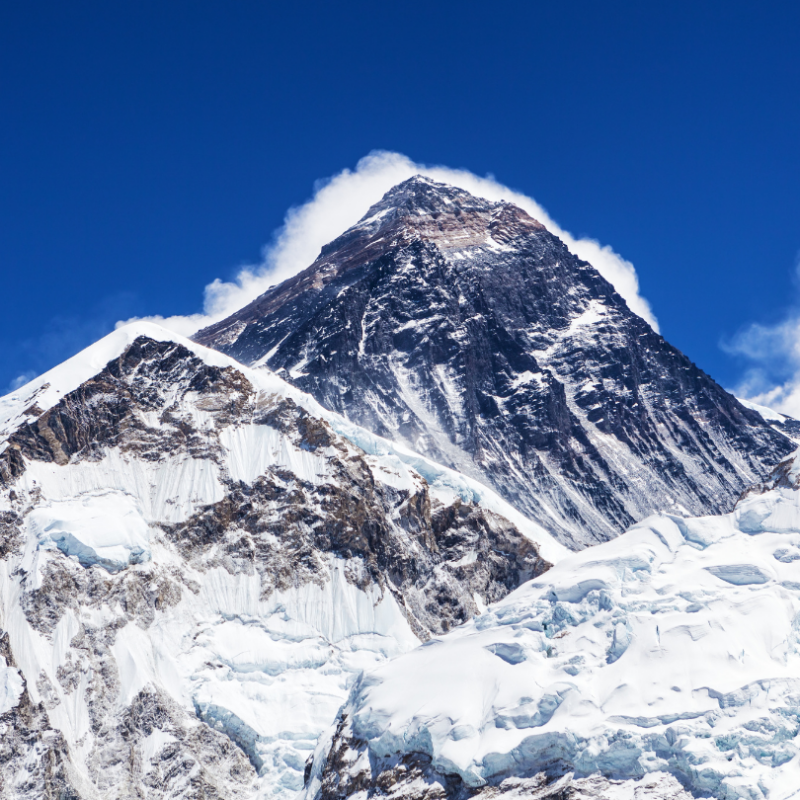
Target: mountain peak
point(463, 328)
point(420, 195)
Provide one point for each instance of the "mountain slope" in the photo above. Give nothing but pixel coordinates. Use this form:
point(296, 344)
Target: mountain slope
point(464, 329)
point(663, 664)
point(198, 560)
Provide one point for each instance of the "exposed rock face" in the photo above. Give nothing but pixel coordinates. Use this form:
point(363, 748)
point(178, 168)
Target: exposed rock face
point(34, 758)
point(194, 567)
point(466, 330)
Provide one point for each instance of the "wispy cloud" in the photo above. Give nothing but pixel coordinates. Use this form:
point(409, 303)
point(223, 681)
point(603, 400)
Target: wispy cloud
point(20, 380)
point(61, 337)
point(772, 355)
point(340, 201)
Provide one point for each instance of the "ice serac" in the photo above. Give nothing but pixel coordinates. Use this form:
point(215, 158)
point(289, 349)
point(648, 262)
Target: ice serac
point(196, 562)
point(465, 329)
point(662, 664)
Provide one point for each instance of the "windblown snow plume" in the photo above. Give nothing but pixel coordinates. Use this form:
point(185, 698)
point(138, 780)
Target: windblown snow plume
point(339, 202)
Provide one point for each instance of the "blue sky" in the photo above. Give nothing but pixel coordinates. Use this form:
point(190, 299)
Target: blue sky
point(149, 148)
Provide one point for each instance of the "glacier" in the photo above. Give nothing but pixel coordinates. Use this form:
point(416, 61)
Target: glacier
point(669, 656)
point(104, 528)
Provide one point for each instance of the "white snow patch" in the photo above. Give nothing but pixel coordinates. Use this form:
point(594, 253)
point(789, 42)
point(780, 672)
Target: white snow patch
point(11, 687)
point(280, 667)
point(105, 529)
point(767, 413)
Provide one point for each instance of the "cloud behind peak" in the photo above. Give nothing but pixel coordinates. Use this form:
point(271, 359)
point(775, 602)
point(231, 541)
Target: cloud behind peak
point(340, 201)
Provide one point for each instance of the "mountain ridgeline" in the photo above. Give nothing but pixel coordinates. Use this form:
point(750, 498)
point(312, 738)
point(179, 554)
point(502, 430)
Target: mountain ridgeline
point(197, 563)
point(464, 329)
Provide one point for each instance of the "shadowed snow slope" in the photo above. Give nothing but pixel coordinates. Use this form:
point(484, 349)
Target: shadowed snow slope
point(667, 657)
point(197, 560)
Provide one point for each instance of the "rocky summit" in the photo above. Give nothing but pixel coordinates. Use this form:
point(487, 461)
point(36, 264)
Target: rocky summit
point(466, 330)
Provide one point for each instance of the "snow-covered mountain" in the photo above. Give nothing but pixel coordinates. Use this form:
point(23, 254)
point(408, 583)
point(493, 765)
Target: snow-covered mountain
point(203, 565)
point(197, 560)
point(464, 329)
point(786, 425)
point(663, 664)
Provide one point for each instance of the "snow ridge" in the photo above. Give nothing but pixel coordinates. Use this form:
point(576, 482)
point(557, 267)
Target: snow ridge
point(669, 654)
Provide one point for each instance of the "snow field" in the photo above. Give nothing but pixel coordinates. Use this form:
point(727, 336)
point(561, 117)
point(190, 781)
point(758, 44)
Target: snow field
point(276, 670)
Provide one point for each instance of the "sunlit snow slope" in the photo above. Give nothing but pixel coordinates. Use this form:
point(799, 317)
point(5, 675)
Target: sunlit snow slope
point(197, 560)
point(663, 662)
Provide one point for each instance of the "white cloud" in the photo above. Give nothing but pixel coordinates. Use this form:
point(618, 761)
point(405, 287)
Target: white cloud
point(773, 355)
point(773, 380)
point(342, 200)
point(185, 326)
point(20, 380)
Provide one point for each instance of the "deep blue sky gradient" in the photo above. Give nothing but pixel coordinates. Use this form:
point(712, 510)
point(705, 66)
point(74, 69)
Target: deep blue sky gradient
point(149, 147)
